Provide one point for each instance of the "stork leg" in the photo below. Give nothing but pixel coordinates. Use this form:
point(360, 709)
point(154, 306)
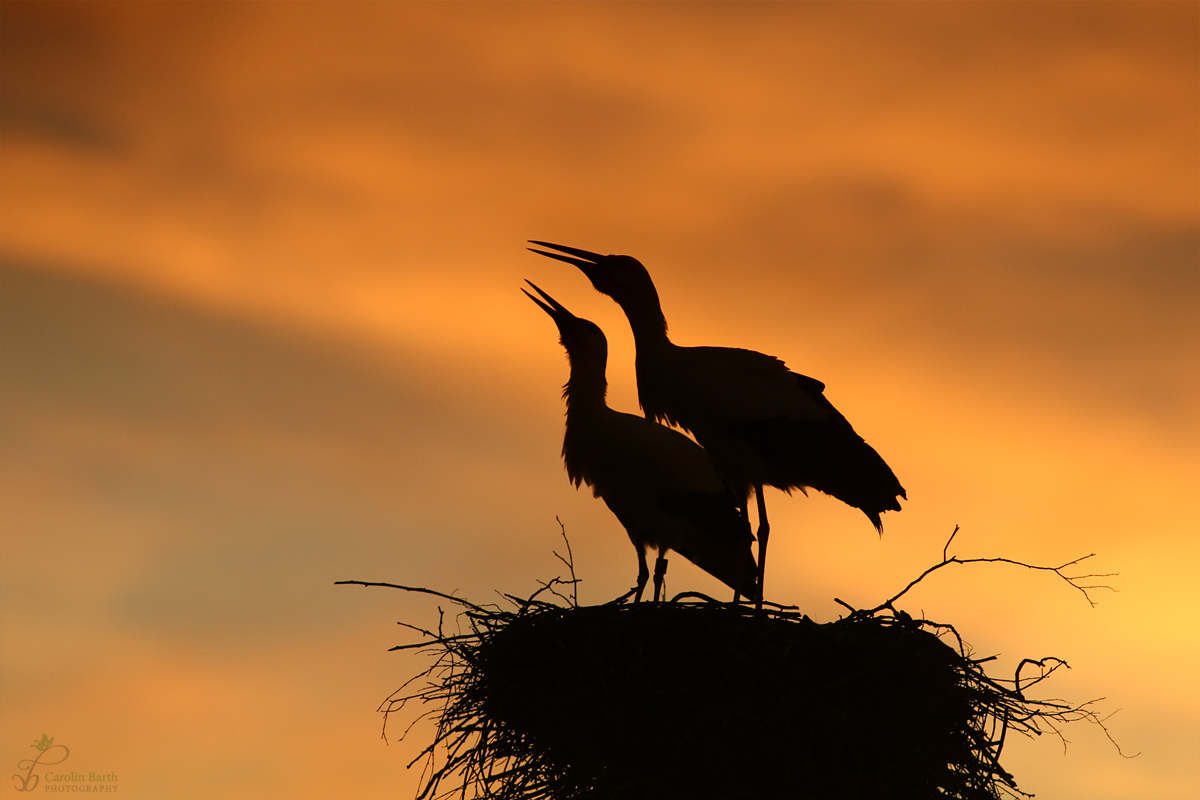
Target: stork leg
point(744, 513)
point(643, 575)
point(660, 572)
point(764, 530)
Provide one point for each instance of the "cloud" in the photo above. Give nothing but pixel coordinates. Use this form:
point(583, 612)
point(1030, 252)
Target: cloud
point(261, 324)
point(263, 458)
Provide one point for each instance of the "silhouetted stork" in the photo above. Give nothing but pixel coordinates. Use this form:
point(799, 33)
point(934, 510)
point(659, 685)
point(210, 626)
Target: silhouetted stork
point(660, 484)
point(762, 424)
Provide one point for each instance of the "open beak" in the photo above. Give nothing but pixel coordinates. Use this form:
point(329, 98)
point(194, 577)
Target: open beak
point(583, 259)
point(555, 309)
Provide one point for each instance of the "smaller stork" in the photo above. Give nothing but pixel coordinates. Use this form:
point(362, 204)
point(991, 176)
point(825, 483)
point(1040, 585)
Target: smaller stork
point(660, 484)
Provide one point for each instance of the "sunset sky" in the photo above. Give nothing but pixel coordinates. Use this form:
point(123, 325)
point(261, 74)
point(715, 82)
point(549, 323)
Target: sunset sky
point(262, 330)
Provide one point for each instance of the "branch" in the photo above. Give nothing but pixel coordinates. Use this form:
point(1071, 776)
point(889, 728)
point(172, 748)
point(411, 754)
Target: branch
point(419, 589)
point(548, 586)
point(1073, 580)
point(570, 563)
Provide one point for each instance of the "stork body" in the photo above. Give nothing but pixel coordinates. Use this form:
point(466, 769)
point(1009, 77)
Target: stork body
point(763, 424)
point(662, 486)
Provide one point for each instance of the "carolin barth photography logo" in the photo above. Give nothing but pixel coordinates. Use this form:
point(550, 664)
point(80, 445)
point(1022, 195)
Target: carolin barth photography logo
point(50, 755)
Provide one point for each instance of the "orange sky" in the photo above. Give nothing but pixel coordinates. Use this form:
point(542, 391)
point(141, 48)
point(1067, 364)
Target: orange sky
point(261, 330)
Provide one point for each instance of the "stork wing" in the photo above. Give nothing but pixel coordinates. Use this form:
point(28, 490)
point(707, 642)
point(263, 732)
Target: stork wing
point(723, 383)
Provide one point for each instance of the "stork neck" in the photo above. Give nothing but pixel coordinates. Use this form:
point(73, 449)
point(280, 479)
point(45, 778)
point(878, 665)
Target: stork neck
point(646, 320)
point(586, 389)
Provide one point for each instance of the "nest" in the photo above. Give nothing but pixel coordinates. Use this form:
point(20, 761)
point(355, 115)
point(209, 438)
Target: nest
point(696, 699)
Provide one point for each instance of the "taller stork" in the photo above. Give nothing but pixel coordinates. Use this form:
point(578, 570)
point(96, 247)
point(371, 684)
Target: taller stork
point(763, 424)
point(660, 484)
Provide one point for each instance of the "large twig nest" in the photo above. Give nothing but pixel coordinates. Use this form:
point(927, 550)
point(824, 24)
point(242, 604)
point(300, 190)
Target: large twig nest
point(697, 700)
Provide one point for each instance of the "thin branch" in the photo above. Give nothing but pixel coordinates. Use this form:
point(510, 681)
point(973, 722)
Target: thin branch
point(619, 600)
point(948, 541)
point(437, 640)
point(569, 561)
point(849, 607)
point(1073, 580)
point(1045, 671)
point(419, 589)
point(419, 630)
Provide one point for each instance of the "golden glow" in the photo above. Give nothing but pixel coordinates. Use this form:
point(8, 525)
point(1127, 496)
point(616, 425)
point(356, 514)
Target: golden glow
point(263, 331)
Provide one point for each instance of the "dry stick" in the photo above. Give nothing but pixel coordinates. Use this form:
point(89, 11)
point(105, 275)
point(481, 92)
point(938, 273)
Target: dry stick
point(420, 589)
point(739, 604)
point(549, 585)
point(436, 639)
point(1046, 672)
point(569, 561)
point(947, 559)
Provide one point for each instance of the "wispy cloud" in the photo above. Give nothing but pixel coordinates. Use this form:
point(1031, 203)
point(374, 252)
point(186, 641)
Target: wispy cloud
point(261, 324)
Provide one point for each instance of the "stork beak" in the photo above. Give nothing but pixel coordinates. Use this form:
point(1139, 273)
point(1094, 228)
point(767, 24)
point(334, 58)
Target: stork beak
point(583, 259)
point(555, 309)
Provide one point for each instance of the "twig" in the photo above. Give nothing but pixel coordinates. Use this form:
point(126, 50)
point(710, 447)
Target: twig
point(1044, 672)
point(438, 640)
point(569, 561)
point(1073, 580)
point(419, 589)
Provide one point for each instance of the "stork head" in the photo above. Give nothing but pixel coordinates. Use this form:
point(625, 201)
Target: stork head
point(582, 338)
point(623, 278)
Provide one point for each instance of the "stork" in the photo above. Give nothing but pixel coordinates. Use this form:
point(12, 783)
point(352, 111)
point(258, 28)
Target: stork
point(763, 424)
point(662, 486)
